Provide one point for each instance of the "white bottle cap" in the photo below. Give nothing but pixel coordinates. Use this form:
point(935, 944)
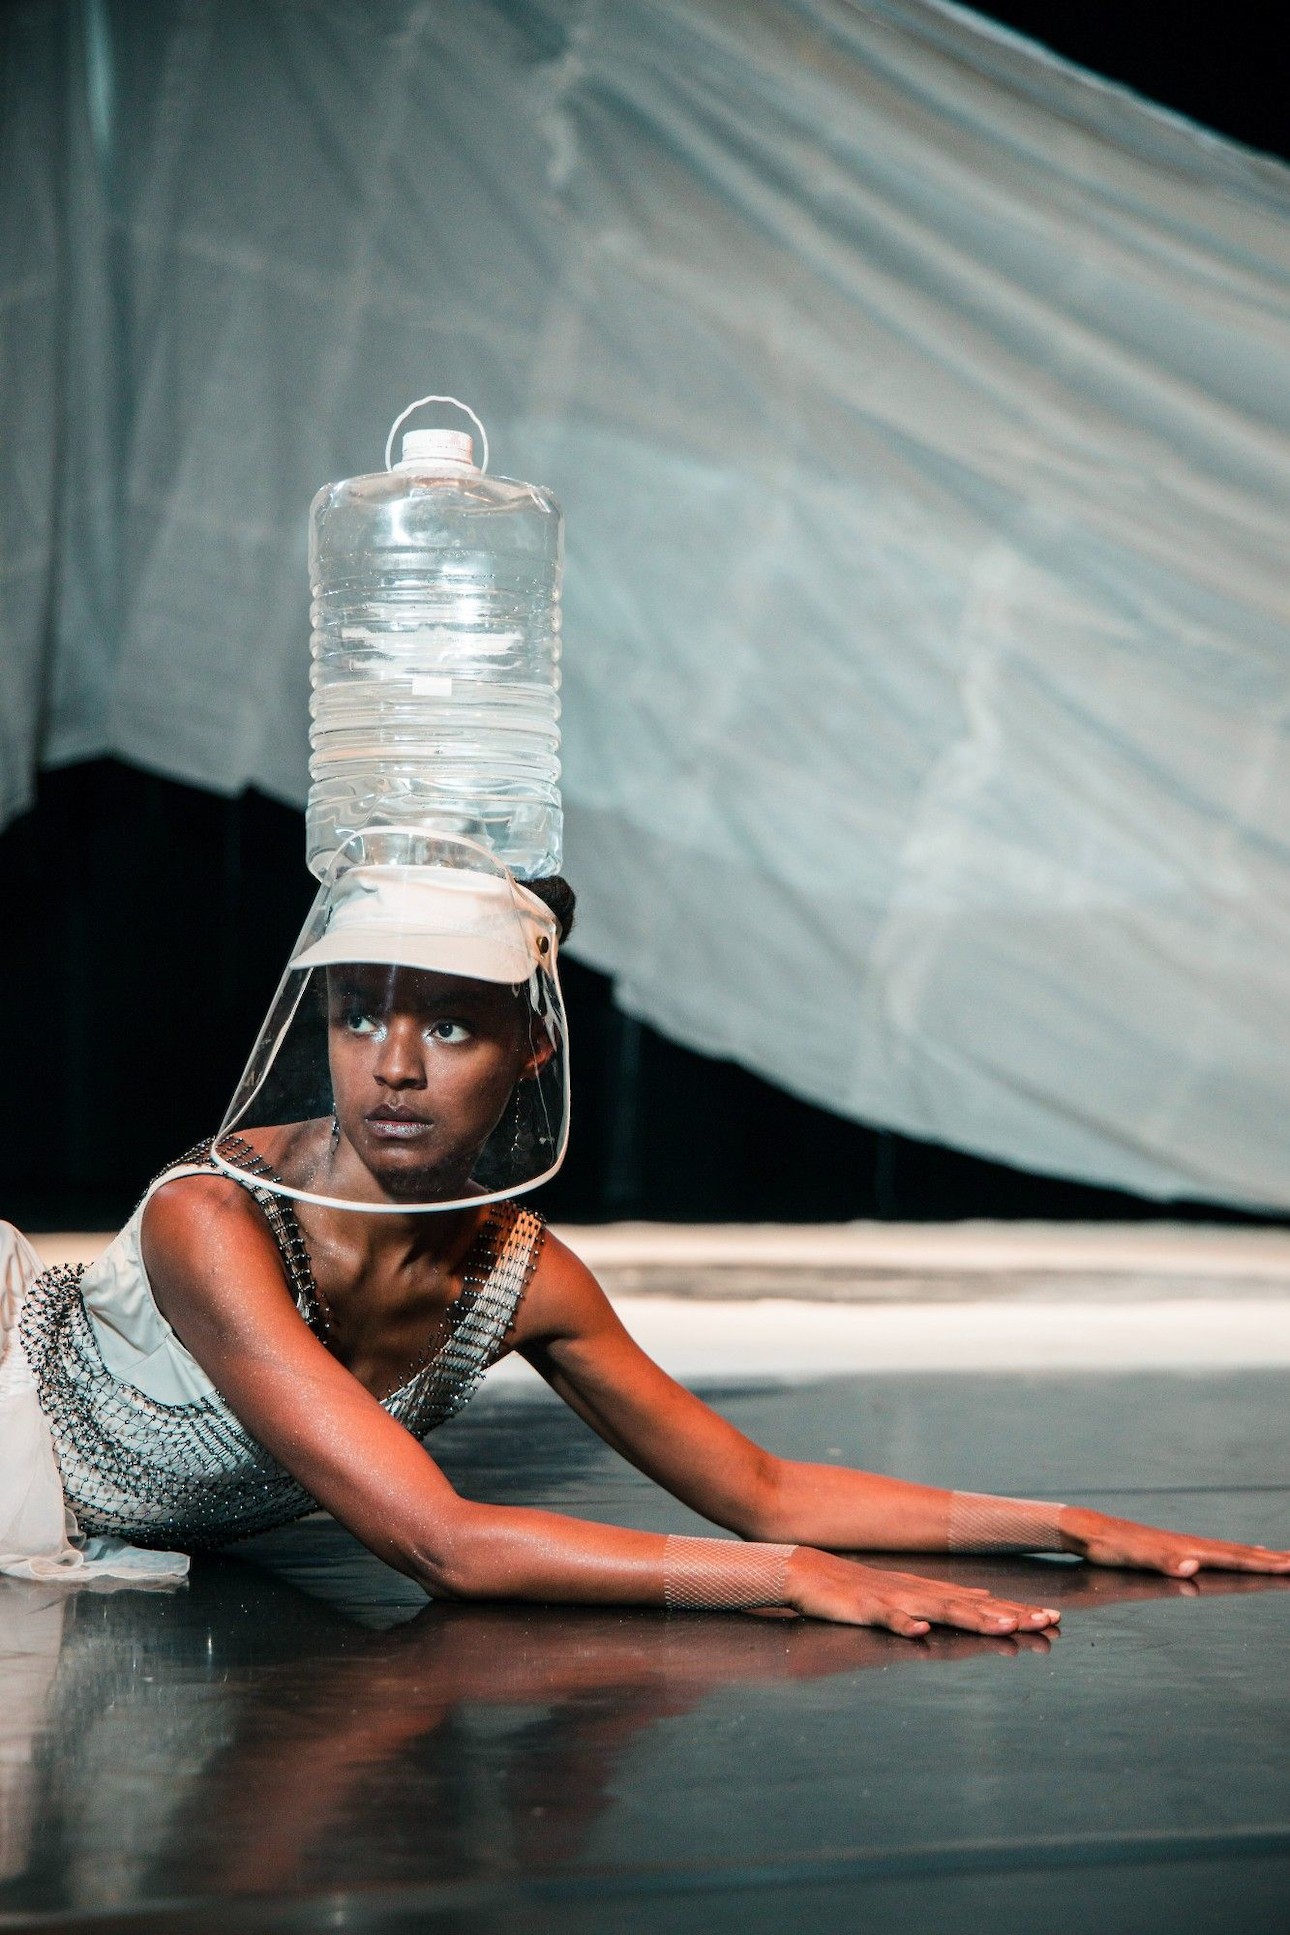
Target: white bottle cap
point(436, 449)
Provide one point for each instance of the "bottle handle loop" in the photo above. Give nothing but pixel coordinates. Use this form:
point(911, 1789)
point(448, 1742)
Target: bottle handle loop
point(457, 403)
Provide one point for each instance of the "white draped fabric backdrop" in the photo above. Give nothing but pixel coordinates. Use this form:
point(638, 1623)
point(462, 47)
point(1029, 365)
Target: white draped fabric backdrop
point(920, 407)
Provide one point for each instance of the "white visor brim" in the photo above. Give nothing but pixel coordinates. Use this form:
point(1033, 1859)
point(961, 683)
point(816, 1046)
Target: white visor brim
point(440, 919)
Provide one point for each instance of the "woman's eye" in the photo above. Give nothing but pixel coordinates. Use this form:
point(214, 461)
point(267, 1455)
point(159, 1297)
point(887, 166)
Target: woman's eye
point(355, 1022)
point(451, 1031)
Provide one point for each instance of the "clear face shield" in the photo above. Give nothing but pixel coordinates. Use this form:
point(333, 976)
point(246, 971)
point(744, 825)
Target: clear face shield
point(415, 1055)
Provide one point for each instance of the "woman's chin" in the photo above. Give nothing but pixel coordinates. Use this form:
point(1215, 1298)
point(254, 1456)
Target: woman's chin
point(408, 1177)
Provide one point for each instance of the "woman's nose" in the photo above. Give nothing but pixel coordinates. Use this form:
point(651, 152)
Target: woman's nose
point(400, 1062)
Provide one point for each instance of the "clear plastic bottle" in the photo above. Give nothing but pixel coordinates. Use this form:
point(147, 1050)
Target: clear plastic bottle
point(436, 655)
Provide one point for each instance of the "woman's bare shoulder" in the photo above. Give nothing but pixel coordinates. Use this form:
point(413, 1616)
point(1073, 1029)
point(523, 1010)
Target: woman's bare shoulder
point(193, 1221)
point(194, 1201)
point(563, 1298)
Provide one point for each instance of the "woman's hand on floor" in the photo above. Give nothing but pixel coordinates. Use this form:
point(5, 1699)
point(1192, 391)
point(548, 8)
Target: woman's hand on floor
point(1121, 1541)
point(823, 1586)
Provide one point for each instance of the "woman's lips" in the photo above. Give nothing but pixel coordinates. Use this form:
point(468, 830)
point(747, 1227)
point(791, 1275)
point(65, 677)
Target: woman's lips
point(393, 1126)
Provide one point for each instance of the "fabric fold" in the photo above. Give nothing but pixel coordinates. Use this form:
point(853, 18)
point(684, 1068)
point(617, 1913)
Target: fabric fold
point(39, 1537)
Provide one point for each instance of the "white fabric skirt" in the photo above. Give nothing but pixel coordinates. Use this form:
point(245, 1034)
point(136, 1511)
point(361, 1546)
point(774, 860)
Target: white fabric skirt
point(39, 1536)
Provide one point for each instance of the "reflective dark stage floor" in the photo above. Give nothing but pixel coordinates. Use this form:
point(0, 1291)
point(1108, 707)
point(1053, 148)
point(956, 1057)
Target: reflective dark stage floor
point(297, 1741)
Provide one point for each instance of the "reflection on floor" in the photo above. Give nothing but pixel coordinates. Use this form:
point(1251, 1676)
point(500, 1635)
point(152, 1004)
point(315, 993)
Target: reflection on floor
point(297, 1741)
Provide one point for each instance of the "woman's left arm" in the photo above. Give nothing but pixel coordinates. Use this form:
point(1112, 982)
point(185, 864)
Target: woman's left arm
point(569, 1331)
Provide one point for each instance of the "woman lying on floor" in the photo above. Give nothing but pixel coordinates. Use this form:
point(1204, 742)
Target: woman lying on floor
point(297, 1304)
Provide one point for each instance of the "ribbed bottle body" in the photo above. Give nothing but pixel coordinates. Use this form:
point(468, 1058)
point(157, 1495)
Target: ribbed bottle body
point(436, 662)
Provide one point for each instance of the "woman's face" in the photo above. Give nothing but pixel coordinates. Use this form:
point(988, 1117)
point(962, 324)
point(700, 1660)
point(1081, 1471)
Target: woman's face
point(422, 1068)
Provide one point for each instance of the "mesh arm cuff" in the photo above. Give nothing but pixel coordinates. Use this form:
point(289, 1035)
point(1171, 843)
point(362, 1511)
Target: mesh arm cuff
point(979, 1523)
point(716, 1575)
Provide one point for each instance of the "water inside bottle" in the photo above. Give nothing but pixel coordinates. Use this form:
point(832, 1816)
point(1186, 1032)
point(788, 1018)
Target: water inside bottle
point(435, 678)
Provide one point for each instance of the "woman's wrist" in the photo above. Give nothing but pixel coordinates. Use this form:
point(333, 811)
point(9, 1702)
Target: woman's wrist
point(1078, 1525)
point(797, 1574)
point(982, 1522)
point(721, 1575)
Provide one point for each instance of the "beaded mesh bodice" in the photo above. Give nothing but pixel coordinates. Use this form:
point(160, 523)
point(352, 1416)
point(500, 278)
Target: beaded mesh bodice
point(189, 1474)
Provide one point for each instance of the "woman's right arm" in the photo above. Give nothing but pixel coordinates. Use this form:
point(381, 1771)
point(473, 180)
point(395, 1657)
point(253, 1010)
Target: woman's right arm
point(217, 1279)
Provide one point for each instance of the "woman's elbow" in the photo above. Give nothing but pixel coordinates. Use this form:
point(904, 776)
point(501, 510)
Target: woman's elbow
point(450, 1558)
point(765, 1507)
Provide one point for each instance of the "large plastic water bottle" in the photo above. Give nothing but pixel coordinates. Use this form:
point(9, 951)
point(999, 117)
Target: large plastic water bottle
point(436, 650)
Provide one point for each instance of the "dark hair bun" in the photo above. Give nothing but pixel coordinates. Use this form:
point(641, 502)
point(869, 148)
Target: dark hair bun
point(559, 896)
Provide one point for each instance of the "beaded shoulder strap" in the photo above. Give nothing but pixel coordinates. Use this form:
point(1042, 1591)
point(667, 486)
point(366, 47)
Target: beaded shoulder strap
point(284, 1225)
point(499, 1270)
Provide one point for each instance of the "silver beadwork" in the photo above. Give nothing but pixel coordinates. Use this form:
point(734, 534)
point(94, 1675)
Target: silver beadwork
point(190, 1474)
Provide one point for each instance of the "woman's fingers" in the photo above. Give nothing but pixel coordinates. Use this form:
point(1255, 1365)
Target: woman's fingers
point(1180, 1557)
point(991, 1617)
point(826, 1587)
point(1222, 1557)
point(959, 1605)
point(977, 1609)
point(1121, 1541)
point(996, 1615)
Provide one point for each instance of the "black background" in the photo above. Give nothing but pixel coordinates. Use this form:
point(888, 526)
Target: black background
point(145, 923)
